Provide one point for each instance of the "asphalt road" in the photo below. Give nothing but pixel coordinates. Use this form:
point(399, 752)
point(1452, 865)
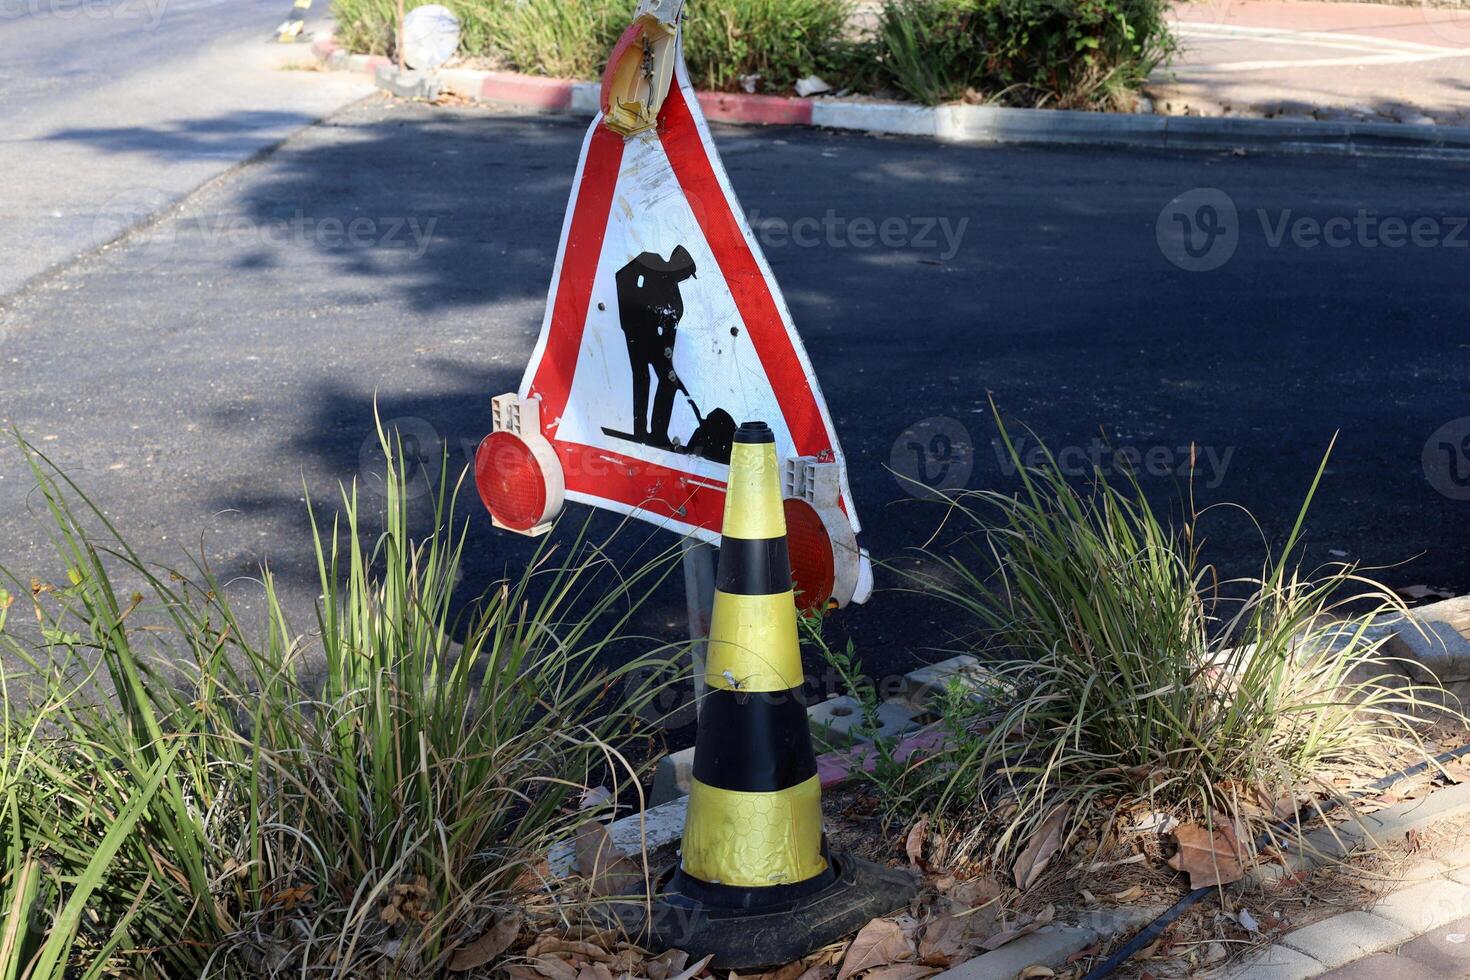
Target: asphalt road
point(195, 378)
point(113, 110)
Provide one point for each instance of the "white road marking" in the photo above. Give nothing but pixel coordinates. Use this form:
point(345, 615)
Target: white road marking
point(1326, 39)
point(1371, 50)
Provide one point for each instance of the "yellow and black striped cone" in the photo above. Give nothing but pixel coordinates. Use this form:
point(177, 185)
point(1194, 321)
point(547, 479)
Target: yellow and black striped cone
point(755, 804)
point(756, 883)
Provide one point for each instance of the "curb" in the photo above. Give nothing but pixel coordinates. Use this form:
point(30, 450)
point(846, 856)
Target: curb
point(954, 123)
point(1435, 894)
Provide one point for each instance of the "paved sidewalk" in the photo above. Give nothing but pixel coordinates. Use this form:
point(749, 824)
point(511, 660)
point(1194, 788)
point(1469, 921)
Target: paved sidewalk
point(1298, 58)
point(1443, 954)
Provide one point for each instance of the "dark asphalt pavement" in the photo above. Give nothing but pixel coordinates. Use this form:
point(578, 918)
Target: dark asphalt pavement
point(193, 378)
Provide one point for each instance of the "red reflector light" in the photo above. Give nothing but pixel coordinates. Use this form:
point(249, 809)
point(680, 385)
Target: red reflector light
point(510, 481)
point(812, 568)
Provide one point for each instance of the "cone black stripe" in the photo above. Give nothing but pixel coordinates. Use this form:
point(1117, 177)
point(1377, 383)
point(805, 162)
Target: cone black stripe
point(753, 742)
point(753, 567)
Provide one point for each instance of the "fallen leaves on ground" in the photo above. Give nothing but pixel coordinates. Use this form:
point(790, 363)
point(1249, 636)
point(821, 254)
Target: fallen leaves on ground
point(1025, 927)
point(879, 943)
point(1210, 857)
point(607, 870)
point(944, 939)
point(496, 940)
point(1044, 844)
point(407, 903)
point(913, 844)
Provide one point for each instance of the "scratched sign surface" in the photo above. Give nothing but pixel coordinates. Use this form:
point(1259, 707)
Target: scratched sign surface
point(665, 330)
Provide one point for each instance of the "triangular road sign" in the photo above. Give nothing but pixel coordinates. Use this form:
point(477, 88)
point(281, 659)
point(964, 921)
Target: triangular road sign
point(664, 330)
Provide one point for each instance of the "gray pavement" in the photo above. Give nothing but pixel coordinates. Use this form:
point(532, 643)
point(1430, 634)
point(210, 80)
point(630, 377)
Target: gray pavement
point(113, 110)
point(196, 377)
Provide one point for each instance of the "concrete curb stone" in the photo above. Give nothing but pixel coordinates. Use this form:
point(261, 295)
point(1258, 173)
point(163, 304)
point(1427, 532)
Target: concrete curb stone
point(1327, 844)
point(1051, 945)
point(1344, 938)
point(1274, 963)
point(1426, 906)
point(962, 123)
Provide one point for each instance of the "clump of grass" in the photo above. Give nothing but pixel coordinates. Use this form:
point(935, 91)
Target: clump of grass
point(364, 798)
point(1132, 680)
point(775, 41)
point(779, 41)
point(1067, 54)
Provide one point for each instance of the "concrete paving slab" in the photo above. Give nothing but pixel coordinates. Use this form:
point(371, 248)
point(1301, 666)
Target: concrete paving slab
point(1426, 906)
point(1343, 938)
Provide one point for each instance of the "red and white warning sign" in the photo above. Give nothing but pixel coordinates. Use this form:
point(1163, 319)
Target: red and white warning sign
point(663, 331)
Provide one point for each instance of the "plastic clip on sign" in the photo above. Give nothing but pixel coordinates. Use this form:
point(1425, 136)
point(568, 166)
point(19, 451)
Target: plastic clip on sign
point(664, 324)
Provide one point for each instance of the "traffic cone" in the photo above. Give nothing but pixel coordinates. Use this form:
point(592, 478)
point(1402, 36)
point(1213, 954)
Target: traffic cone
point(756, 883)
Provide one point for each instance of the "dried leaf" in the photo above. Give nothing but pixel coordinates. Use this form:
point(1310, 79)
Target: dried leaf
point(484, 950)
point(1211, 858)
point(694, 970)
point(1083, 954)
point(943, 940)
point(1043, 846)
point(1130, 894)
point(666, 964)
point(901, 971)
point(791, 971)
point(913, 845)
point(976, 892)
point(1036, 970)
point(607, 870)
point(572, 947)
point(878, 943)
point(1010, 935)
point(519, 971)
point(554, 967)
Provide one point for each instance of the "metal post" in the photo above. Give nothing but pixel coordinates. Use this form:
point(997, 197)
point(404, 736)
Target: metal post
point(699, 597)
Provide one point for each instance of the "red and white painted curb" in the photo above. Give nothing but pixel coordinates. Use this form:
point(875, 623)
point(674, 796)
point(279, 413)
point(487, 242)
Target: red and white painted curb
point(951, 123)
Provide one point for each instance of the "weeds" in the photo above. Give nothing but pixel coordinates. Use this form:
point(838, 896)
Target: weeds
point(1133, 682)
point(1089, 54)
point(363, 799)
point(1066, 54)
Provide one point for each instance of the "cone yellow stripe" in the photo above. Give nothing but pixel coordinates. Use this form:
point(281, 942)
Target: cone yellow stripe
point(754, 840)
point(753, 508)
point(752, 643)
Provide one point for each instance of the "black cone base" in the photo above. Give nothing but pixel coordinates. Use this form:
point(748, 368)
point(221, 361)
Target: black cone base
point(779, 934)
